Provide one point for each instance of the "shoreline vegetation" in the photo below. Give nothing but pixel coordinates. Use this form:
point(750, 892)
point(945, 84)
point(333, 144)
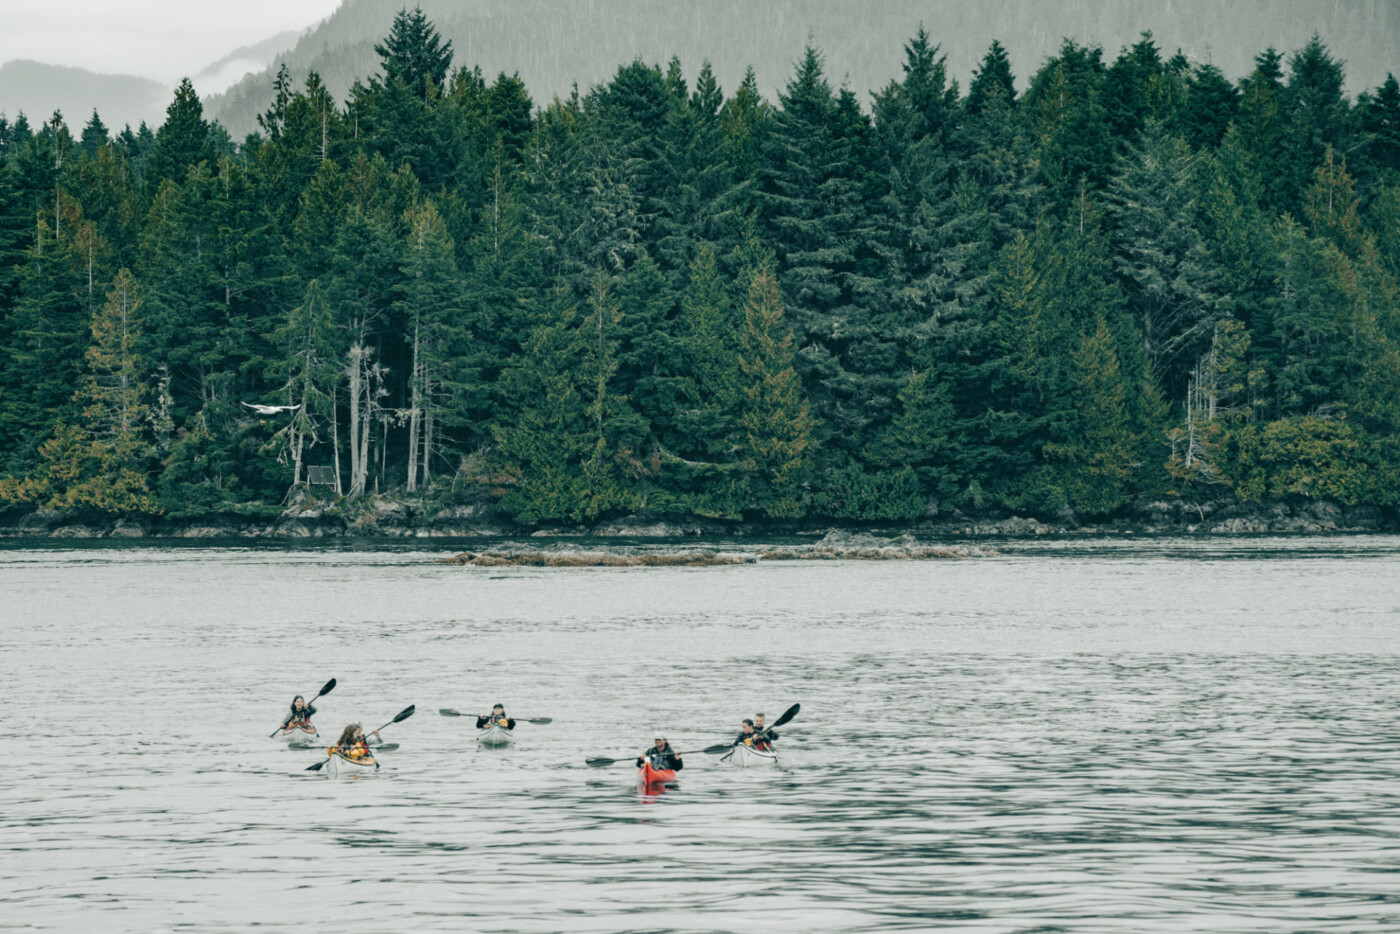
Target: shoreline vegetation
point(397, 518)
point(1124, 294)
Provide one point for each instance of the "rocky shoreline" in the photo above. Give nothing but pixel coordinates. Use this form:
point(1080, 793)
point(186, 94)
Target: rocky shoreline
point(835, 545)
point(388, 517)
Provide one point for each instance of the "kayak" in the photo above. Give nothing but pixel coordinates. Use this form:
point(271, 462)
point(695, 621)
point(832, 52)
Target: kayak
point(749, 757)
point(341, 764)
point(647, 775)
point(495, 735)
point(298, 733)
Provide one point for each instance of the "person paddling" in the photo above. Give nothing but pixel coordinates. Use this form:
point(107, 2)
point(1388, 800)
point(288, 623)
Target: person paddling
point(497, 717)
point(747, 735)
point(353, 744)
point(300, 714)
point(661, 756)
point(763, 737)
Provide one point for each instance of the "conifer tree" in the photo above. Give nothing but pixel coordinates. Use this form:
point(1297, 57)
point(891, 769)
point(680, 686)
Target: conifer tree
point(414, 54)
point(1210, 107)
point(94, 135)
point(430, 301)
point(775, 419)
point(183, 139)
point(1096, 464)
point(310, 374)
point(1173, 287)
point(100, 458)
point(991, 79)
point(1380, 126)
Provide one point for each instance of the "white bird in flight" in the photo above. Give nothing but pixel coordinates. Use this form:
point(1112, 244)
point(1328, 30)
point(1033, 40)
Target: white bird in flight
point(272, 409)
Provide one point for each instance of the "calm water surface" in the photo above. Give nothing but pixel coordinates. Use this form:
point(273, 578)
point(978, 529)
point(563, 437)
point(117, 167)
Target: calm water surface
point(1080, 736)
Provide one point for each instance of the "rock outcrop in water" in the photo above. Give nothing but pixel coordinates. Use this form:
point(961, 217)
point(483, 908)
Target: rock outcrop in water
point(835, 545)
point(847, 546)
point(566, 557)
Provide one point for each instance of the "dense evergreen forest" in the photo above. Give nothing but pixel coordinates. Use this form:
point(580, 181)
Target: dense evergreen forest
point(1135, 280)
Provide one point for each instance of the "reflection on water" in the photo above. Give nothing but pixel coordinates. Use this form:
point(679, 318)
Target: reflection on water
point(1080, 736)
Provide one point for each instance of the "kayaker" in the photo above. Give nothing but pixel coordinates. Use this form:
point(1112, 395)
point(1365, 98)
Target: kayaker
point(353, 743)
point(763, 736)
point(300, 713)
point(661, 756)
point(497, 716)
point(747, 736)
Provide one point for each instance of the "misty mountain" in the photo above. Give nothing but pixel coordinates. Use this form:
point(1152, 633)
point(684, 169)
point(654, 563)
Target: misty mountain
point(555, 43)
point(242, 61)
point(38, 90)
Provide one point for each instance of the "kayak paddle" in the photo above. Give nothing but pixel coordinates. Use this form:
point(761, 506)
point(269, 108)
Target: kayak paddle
point(599, 762)
point(330, 686)
point(448, 712)
point(787, 715)
point(403, 715)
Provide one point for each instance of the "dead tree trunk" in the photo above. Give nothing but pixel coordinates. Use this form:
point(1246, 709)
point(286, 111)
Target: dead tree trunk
point(413, 416)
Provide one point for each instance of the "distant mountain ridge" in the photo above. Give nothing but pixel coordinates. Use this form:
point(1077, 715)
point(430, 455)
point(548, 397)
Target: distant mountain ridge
point(38, 90)
point(555, 43)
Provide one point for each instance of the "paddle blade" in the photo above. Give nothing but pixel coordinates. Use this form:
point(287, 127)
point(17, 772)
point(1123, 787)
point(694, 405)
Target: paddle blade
point(386, 747)
point(330, 686)
point(403, 715)
point(787, 715)
point(318, 765)
point(448, 713)
point(540, 720)
point(717, 748)
point(599, 761)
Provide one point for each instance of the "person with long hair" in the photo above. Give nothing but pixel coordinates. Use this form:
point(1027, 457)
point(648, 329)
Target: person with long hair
point(353, 744)
point(300, 713)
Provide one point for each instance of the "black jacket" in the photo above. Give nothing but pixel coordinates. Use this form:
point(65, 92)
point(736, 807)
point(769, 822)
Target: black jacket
point(483, 721)
point(305, 714)
point(669, 759)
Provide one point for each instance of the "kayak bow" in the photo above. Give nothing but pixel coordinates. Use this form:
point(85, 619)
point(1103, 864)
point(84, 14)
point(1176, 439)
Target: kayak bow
point(495, 735)
point(339, 763)
point(299, 732)
point(647, 775)
point(749, 757)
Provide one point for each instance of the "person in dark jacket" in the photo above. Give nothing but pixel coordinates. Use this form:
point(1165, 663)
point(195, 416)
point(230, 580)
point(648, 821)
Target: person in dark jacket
point(661, 756)
point(496, 717)
point(300, 714)
point(763, 737)
point(747, 736)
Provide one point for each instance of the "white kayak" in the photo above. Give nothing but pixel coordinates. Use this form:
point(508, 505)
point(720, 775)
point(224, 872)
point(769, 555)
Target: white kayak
point(346, 765)
point(298, 734)
point(495, 735)
point(749, 757)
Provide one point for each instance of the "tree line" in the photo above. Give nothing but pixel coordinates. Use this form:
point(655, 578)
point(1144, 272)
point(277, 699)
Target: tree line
point(1137, 279)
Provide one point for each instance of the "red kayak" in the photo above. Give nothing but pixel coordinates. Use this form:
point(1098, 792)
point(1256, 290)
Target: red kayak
point(647, 775)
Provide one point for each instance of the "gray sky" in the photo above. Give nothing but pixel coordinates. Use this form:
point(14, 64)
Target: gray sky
point(160, 39)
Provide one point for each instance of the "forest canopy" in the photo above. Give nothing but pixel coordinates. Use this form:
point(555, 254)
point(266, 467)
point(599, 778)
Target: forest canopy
point(1134, 280)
